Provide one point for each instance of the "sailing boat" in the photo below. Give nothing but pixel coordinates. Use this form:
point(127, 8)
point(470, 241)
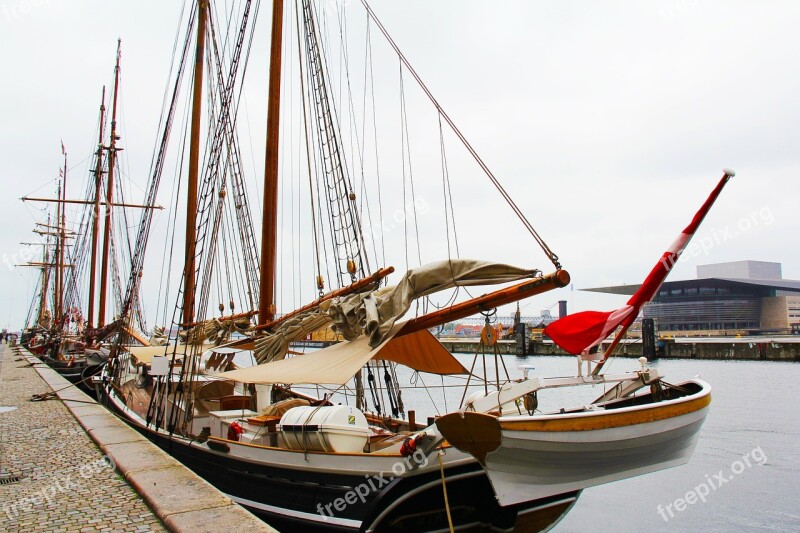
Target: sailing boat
point(71, 343)
point(34, 336)
point(295, 459)
point(47, 334)
point(619, 435)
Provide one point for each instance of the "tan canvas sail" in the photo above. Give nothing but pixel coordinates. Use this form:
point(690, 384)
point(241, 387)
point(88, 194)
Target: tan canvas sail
point(338, 363)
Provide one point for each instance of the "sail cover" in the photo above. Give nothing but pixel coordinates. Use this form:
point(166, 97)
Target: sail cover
point(375, 314)
point(337, 364)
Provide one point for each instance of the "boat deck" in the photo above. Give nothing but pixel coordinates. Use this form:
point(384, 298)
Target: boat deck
point(136, 398)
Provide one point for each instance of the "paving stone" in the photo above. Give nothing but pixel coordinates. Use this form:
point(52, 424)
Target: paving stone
point(116, 435)
point(170, 490)
point(70, 485)
point(203, 519)
point(98, 421)
point(67, 487)
point(136, 456)
point(83, 409)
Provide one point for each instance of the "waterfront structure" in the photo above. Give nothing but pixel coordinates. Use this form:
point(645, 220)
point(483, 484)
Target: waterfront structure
point(740, 297)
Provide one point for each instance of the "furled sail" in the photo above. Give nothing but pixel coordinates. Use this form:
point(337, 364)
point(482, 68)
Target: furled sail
point(273, 346)
point(375, 313)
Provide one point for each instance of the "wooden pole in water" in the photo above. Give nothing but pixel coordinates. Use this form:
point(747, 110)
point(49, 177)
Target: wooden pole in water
point(269, 219)
point(194, 165)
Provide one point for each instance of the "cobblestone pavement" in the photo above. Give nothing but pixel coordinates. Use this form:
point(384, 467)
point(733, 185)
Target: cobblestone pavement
point(66, 482)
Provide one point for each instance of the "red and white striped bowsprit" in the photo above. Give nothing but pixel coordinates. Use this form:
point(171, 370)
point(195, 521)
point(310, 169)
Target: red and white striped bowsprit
point(582, 331)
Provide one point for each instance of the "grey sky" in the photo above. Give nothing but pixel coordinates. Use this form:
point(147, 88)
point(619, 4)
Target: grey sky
point(609, 122)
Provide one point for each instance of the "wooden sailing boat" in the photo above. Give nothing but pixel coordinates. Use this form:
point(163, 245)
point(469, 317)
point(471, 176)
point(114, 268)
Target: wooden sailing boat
point(35, 334)
point(298, 460)
point(44, 336)
point(619, 435)
point(72, 344)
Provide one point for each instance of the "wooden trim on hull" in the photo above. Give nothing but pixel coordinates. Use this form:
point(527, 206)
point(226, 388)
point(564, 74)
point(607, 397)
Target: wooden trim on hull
point(604, 420)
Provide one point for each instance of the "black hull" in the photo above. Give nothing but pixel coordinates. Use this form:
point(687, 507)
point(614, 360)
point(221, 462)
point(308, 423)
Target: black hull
point(295, 500)
point(78, 373)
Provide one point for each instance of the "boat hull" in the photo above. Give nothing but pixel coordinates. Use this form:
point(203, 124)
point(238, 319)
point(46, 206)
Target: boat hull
point(78, 372)
point(274, 485)
point(537, 456)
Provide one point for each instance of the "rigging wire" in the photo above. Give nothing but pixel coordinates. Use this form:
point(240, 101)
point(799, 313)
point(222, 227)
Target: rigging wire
point(407, 146)
point(507, 197)
point(320, 283)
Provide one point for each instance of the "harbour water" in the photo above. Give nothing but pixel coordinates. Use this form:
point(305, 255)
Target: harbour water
point(746, 465)
point(755, 413)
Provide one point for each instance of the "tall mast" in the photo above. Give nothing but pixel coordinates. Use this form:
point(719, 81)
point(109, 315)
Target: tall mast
point(266, 300)
point(45, 275)
point(57, 251)
point(194, 164)
point(112, 159)
point(62, 240)
point(98, 176)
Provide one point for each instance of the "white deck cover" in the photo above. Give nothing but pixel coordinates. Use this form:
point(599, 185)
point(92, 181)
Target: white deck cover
point(332, 365)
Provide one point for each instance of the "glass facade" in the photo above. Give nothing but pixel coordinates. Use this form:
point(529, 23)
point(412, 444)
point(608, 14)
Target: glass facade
point(711, 306)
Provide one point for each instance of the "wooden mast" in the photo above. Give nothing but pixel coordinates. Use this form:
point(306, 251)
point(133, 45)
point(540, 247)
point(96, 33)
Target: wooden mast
point(112, 159)
point(194, 164)
point(45, 276)
point(266, 300)
point(62, 238)
point(57, 251)
point(98, 176)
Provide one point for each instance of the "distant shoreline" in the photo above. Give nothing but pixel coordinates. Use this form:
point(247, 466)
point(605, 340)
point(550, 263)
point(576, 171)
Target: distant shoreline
point(740, 349)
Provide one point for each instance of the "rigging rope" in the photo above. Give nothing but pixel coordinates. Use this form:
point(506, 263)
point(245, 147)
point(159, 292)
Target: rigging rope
point(320, 281)
point(510, 201)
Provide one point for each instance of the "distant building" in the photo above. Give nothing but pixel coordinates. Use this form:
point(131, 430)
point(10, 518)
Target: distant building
point(741, 270)
point(747, 297)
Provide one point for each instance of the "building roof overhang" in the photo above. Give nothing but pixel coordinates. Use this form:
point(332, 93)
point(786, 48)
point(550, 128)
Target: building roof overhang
point(755, 284)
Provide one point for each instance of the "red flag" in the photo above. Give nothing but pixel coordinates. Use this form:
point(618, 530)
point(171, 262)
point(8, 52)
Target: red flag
point(63, 150)
point(579, 332)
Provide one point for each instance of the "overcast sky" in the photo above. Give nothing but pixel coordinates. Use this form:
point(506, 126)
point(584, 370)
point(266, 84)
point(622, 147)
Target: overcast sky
point(609, 122)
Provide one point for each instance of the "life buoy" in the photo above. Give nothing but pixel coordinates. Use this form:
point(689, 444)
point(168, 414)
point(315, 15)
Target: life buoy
point(235, 431)
point(409, 445)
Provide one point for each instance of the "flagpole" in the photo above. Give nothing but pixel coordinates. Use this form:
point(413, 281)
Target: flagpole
point(672, 256)
point(610, 349)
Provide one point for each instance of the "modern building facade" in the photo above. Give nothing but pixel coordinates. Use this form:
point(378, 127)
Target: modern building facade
point(741, 297)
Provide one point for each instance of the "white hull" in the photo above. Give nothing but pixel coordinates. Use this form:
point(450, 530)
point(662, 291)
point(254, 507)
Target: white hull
point(538, 456)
